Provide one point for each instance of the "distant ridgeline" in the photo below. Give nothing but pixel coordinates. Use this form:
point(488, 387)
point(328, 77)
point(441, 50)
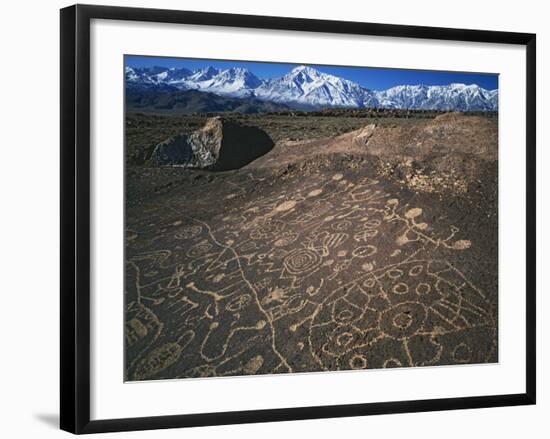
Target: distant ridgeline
point(304, 88)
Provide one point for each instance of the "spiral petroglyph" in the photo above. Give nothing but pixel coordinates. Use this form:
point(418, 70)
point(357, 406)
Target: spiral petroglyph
point(301, 261)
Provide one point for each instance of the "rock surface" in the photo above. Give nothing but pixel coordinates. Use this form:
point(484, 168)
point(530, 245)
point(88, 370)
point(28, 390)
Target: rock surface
point(450, 151)
point(219, 145)
point(372, 249)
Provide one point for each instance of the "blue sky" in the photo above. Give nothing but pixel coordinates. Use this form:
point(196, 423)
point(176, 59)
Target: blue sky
point(373, 78)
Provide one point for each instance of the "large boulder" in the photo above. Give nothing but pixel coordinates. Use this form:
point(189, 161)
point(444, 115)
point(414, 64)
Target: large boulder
point(219, 145)
point(175, 150)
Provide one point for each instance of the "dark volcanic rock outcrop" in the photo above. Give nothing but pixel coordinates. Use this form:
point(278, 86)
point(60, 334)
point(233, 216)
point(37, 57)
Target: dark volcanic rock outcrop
point(218, 146)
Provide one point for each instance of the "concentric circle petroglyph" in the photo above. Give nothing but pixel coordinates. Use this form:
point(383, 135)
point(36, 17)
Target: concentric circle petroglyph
point(302, 261)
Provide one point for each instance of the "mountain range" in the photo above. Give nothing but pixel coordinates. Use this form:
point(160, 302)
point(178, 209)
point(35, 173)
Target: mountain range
point(306, 87)
point(163, 99)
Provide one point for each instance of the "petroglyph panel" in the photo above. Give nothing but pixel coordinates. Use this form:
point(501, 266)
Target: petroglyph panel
point(336, 272)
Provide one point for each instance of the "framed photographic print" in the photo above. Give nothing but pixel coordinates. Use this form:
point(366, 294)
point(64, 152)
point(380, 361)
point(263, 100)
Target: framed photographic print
point(268, 218)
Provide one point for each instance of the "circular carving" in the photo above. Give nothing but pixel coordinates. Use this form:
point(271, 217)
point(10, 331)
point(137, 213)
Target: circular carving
point(199, 250)
point(372, 223)
point(344, 316)
point(364, 251)
point(302, 261)
point(401, 288)
point(358, 361)
point(416, 270)
point(267, 230)
point(423, 288)
point(369, 282)
point(395, 273)
point(403, 320)
point(462, 353)
point(295, 303)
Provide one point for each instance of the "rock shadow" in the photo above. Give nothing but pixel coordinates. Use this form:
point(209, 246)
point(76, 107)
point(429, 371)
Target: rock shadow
point(241, 145)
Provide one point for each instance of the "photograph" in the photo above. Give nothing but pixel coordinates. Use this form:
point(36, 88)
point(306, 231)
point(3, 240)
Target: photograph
point(275, 219)
point(284, 218)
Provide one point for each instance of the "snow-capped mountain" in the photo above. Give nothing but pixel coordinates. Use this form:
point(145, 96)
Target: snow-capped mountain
point(235, 82)
point(459, 97)
point(203, 74)
point(306, 86)
point(156, 75)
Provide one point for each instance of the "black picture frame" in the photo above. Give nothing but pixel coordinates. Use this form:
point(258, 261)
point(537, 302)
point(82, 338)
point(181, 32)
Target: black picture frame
point(75, 217)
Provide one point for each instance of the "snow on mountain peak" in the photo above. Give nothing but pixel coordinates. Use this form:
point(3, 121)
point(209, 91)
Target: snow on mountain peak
point(307, 86)
point(239, 71)
point(204, 74)
point(306, 70)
